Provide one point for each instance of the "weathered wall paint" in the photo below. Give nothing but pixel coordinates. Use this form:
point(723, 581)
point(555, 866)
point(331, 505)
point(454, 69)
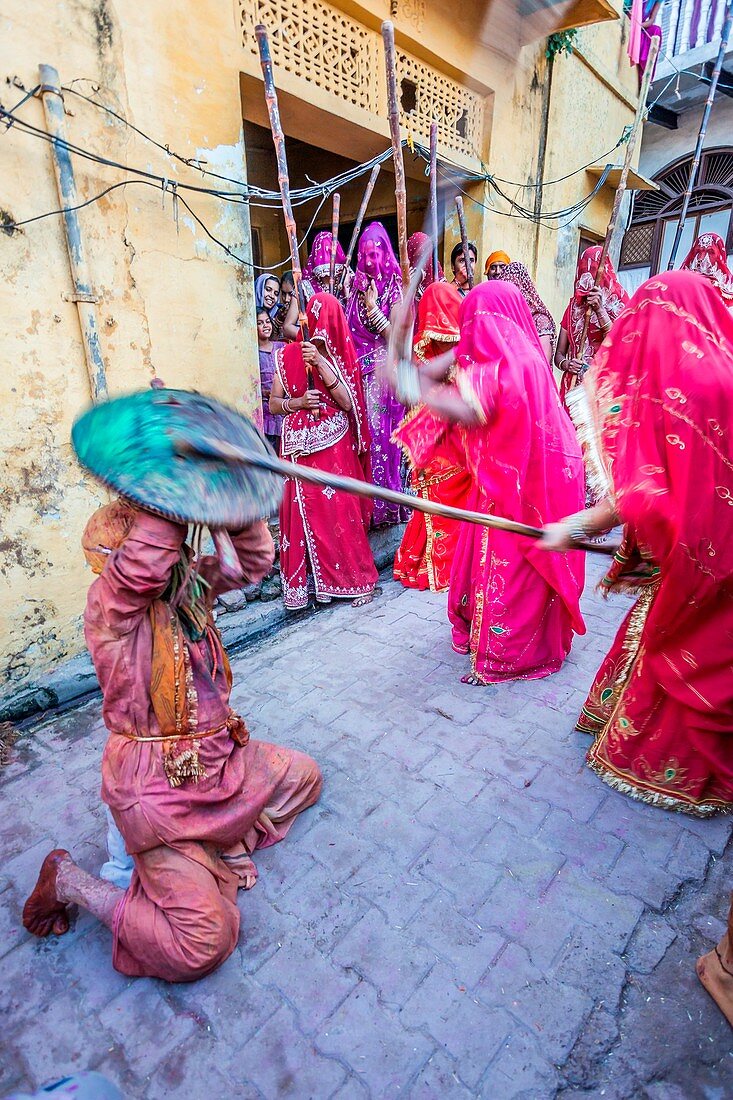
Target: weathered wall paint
point(171, 302)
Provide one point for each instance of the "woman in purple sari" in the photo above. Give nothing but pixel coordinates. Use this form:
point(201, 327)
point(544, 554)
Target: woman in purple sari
point(377, 286)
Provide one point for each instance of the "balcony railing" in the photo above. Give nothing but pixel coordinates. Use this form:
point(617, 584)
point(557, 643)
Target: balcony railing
point(690, 24)
point(324, 47)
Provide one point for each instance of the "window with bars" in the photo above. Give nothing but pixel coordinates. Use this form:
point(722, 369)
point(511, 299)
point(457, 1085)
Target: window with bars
point(647, 241)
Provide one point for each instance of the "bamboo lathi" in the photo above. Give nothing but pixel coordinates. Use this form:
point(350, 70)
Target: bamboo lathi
point(621, 189)
point(694, 167)
point(434, 195)
point(359, 220)
point(215, 448)
point(393, 111)
point(467, 258)
point(283, 178)
point(334, 242)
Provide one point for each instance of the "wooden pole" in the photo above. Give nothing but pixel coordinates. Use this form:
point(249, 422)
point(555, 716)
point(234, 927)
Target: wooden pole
point(393, 110)
point(334, 242)
point(82, 295)
point(464, 241)
point(283, 178)
point(215, 448)
point(695, 166)
point(359, 220)
point(621, 189)
point(434, 195)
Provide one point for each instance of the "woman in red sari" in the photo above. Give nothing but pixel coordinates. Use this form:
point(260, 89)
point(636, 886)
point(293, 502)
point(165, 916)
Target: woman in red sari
point(606, 301)
point(324, 548)
point(433, 449)
point(661, 390)
point(512, 607)
point(708, 257)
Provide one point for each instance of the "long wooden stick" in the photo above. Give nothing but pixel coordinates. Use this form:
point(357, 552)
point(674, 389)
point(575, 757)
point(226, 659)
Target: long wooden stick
point(467, 258)
point(621, 189)
point(434, 195)
point(215, 448)
point(359, 220)
point(278, 138)
point(393, 110)
point(334, 241)
point(694, 167)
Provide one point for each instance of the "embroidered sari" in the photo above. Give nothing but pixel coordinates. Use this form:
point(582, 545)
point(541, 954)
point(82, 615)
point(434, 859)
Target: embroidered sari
point(661, 707)
point(433, 449)
point(323, 532)
point(708, 257)
point(513, 606)
point(517, 274)
point(614, 299)
point(384, 410)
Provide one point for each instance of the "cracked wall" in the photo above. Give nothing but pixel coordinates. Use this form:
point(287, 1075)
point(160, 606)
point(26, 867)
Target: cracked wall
point(170, 301)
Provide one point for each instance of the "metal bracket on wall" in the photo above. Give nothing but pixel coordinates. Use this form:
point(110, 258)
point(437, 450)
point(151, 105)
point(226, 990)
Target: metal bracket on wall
point(93, 298)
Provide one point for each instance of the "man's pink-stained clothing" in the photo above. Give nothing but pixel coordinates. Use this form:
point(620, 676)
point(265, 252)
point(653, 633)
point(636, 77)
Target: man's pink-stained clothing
point(179, 919)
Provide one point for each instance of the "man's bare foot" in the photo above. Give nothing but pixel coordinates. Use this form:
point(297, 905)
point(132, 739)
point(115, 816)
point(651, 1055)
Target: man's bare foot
point(43, 913)
point(717, 977)
point(237, 860)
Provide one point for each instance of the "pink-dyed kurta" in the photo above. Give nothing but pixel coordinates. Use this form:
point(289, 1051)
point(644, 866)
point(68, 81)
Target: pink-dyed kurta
point(179, 920)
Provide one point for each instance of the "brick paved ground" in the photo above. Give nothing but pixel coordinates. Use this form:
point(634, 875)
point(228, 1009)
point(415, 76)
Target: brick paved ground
point(467, 912)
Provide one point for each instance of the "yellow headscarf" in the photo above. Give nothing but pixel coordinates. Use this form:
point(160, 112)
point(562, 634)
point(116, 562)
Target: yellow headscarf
point(496, 258)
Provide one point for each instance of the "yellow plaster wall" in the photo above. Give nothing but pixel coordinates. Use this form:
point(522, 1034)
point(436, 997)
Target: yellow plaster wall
point(171, 302)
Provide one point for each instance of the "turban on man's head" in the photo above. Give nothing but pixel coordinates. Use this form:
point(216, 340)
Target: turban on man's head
point(105, 531)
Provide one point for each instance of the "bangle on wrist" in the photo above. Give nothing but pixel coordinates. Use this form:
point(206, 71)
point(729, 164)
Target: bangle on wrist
point(575, 527)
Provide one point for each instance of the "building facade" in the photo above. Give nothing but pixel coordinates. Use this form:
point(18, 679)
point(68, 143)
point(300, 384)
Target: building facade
point(691, 32)
point(171, 245)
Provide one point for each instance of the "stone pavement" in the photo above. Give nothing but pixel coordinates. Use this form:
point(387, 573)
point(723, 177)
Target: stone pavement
point(468, 911)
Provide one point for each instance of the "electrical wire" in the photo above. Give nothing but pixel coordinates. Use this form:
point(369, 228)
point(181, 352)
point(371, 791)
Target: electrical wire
point(299, 196)
point(315, 192)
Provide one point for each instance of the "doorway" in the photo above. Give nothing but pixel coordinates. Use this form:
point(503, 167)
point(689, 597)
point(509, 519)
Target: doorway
point(308, 164)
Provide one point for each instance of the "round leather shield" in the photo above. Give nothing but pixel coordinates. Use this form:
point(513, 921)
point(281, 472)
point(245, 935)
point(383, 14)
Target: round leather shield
point(158, 449)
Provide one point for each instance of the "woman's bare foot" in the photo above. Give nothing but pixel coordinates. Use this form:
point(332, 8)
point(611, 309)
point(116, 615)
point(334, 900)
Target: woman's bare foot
point(716, 975)
point(362, 601)
point(473, 680)
point(43, 913)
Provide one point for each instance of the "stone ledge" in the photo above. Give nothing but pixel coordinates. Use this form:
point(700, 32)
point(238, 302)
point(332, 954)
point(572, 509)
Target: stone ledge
point(74, 679)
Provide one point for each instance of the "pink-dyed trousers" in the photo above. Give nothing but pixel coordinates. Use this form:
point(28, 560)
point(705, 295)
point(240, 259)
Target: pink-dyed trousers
point(179, 919)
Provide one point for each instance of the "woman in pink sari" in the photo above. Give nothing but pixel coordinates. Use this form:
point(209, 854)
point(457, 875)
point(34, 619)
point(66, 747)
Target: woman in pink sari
point(315, 278)
point(434, 451)
point(511, 606)
point(324, 549)
point(607, 302)
point(376, 288)
point(708, 257)
point(661, 708)
point(417, 245)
